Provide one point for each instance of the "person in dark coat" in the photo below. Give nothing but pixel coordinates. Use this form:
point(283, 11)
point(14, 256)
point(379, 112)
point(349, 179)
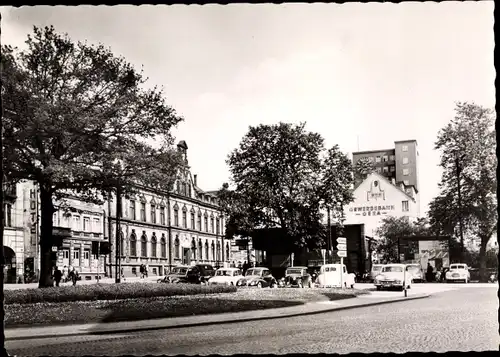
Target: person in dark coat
point(73, 275)
point(245, 267)
point(430, 271)
point(57, 276)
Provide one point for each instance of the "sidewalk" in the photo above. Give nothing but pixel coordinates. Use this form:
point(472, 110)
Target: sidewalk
point(151, 279)
point(189, 321)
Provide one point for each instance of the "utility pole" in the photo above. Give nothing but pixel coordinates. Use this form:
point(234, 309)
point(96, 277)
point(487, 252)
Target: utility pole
point(460, 222)
point(118, 235)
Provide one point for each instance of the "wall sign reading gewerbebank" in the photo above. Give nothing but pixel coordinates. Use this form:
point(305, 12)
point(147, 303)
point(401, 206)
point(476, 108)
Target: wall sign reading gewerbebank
point(372, 210)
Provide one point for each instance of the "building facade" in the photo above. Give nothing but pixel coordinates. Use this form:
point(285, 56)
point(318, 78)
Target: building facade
point(399, 165)
point(377, 197)
point(165, 229)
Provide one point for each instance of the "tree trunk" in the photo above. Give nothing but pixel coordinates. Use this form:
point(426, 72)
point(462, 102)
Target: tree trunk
point(483, 276)
point(46, 262)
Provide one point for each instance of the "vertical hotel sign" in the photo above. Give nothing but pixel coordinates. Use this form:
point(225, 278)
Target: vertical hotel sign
point(371, 208)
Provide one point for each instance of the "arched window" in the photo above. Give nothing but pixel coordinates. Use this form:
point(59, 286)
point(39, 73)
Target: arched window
point(163, 244)
point(133, 245)
point(212, 230)
point(177, 250)
point(122, 244)
point(153, 246)
point(213, 251)
point(206, 222)
point(227, 252)
point(144, 245)
point(200, 250)
point(199, 220)
point(218, 251)
point(207, 255)
point(193, 249)
point(176, 216)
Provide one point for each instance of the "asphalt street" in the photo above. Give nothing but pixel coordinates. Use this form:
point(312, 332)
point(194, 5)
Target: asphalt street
point(460, 319)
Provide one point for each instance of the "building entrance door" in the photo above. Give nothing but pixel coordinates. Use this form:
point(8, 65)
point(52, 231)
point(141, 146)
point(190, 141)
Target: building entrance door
point(186, 256)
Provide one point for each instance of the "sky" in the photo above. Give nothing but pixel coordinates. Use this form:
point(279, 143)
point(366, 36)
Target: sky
point(361, 75)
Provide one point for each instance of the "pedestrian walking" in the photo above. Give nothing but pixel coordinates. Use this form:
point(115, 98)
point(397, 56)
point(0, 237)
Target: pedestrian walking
point(65, 274)
point(430, 271)
point(146, 270)
point(73, 275)
point(57, 275)
point(245, 267)
point(121, 274)
point(141, 270)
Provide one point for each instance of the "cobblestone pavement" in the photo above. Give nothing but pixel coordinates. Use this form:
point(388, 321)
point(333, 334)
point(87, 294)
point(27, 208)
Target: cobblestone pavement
point(464, 319)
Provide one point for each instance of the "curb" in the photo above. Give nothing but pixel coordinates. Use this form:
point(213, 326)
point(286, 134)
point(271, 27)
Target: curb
point(249, 319)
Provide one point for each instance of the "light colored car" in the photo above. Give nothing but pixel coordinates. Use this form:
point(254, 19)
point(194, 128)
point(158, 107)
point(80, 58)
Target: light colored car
point(458, 272)
point(329, 277)
point(375, 271)
point(258, 277)
point(417, 272)
point(393, 276)
point(225, 276)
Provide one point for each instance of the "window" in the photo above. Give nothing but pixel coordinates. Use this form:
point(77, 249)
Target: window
point(386, 158)
point(153, 246)
point(76, 255)
point(133, 245)
point(377, 159)
point(76, 223)
point(217, 222)
point(189, 190)
point(405, 206)
point(65, 254)
point(404, 148)
point(86, 224)
point(144, 246)
point(143, 211)
point(122, 244)
point(212, 229)
point(218, 251)
point(163, 244)
point(8, 215)
point(153, 214)
point(391, 157)
point(393, 168)
point(132, 209)
point(162, 215)
point(177, 250)
point(178, 187)
point(206, 224)
point(406, 182)
point(213, 251)
point(184, 219)
point(386, 168)
point(406, 172)
point(405, 160)
point(96, 227)
point(86, 254)
point(227, 252)
point(193, 249)
point(200, 250)
point(184, 189)
point(409, 191)
point(199, 221)
point(192, 220)
point(206, 251)
point(176, 217)
point(370, 159)
point(378, 169)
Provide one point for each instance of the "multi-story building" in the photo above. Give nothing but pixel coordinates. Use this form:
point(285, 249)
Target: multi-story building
point(163, 229)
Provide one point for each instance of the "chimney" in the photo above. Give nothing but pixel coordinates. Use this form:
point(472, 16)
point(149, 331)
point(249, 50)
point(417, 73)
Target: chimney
point(195, 180)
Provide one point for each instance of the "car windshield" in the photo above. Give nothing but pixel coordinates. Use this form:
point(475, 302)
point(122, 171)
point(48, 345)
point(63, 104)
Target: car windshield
point(392, 269)
point(179, 271)
point(253, 272)
point(377, 267)
point(455, 267)
point(414, 267)
point(294, 271)
point(224, 273)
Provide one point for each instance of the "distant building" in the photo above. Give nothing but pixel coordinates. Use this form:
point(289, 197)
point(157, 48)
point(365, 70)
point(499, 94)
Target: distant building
point(377, 197)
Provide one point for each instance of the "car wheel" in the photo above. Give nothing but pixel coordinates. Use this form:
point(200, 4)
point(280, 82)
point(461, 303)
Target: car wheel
point(259, 285)
point(379, 288)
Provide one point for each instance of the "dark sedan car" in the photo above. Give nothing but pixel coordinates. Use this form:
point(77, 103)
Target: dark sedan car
point(197, 274)
point(296, 277)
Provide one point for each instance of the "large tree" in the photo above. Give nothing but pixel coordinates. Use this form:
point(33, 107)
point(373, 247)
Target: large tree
point(79, 119)
point(362, 168)
point(284, 177)
point(467, 201)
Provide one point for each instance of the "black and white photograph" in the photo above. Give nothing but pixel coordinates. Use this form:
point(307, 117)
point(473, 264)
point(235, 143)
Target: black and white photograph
point(248, 179)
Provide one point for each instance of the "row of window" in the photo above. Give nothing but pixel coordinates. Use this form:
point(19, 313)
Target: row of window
point(76, 257)
point(214, 224)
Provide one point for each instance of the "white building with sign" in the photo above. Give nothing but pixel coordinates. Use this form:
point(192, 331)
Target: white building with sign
point(376, 198)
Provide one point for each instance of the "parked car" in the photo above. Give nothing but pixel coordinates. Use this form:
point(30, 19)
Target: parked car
point(296, 277)
point(393, 276)
point(177, 275)
point(330, 276)
point(200, 273)
point(417, 272)
point(375, 271)
point(258, 277)
point(458, 272)
point(225, 276)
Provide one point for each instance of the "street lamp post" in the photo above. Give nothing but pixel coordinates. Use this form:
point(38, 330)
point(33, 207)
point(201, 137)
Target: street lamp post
point(118, 235)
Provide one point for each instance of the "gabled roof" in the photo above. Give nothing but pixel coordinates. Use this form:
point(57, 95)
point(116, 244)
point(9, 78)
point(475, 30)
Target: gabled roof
point(381, 177)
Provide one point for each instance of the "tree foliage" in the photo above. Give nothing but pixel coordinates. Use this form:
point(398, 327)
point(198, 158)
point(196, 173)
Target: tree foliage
point(467, 145)
point(284, 177)
point(362, 169)
point(392, 230)
point(78, 118)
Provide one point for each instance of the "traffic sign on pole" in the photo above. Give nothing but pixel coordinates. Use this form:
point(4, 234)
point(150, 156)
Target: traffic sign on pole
point(341, 240)
point(342, 254)
point(341, 246)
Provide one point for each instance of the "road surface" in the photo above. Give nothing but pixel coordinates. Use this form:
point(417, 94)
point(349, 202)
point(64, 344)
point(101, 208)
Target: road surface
point(463, 319)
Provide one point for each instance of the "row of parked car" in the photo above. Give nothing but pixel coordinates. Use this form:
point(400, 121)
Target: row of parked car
point(329, 275)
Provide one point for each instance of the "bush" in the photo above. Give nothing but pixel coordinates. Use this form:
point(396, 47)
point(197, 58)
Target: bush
point(110, 292)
